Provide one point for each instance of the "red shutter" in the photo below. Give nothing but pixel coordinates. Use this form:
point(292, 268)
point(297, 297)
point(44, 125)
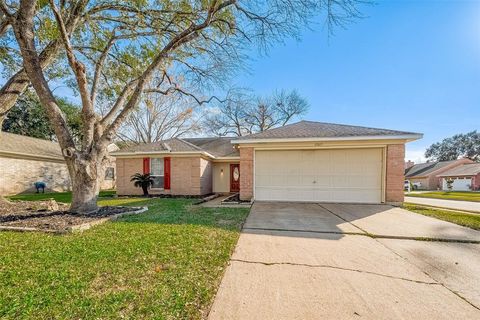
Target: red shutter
point(166, 168)
point(146, 165)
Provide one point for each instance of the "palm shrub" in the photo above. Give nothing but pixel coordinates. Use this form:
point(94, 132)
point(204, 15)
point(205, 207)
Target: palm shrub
point(142, 181)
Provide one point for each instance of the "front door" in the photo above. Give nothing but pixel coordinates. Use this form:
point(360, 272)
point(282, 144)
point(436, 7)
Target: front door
point(235, 177)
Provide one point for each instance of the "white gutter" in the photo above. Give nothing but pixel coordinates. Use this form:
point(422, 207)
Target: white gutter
point(408, 137)
point(146, 153)
point(20, 155)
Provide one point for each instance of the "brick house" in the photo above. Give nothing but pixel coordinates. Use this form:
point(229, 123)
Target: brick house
point(428, 174)
point(25, 160)
point(305, 161)
point(465, 177)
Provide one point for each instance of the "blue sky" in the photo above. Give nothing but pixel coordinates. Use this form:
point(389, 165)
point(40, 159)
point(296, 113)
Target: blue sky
point(409, 65)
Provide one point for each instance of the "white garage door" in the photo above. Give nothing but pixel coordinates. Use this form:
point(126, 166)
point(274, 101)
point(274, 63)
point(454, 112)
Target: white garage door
point(335, 175)
point(459, 184)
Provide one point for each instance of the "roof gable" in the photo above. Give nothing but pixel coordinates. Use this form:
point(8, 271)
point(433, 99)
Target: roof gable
point(23, 145)
point(427, 168)
point(312, 129)
point(470, 169)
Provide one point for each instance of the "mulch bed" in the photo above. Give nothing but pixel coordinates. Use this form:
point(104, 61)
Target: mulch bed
point(50, 216)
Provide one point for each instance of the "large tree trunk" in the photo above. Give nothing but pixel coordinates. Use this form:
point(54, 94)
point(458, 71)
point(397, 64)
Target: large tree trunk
point(85, 193)
point(87, 174)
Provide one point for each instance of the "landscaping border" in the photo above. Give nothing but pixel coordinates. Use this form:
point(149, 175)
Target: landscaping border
point(77, 228)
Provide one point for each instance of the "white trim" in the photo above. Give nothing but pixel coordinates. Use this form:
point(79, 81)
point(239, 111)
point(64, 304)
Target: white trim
point(227, 159)
point(408, 137)
point(153, 175)
point(149, 153)
point(28, 156)
point(315, 147)
point(384, 174)
point(254, 173)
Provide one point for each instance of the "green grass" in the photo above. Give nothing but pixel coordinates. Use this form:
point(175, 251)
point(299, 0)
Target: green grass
point(163, 264)
point(448, 195)
point(64, 197)
point(460, 218)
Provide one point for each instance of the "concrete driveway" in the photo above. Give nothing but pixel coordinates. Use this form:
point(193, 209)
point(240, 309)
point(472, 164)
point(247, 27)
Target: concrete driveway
point(322, 261)
point(448, 204)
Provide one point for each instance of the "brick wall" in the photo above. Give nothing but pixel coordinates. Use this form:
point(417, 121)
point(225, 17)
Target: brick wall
point(18, 175)
point(206, 176)
point(395, 173)
point(189, 176)
point(476, 182)
point(125, 169)
point(246, 173)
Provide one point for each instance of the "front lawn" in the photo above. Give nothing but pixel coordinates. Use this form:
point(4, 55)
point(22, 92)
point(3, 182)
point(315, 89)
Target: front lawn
point(448, 195)
point(460, 218)
point(163, 264)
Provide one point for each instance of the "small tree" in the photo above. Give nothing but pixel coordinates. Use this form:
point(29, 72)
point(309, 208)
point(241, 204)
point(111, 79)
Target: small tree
point(449, 182)
point(143, 181)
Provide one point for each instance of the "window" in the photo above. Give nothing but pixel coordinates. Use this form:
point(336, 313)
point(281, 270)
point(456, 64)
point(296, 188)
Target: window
point(109, 173)
point(157, 172)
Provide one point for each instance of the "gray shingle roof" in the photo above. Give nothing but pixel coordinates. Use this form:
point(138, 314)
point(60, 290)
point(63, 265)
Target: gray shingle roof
point(217, 146)
point(23, 145)
point(424, 169)
point(312, 129)
point(463, 170)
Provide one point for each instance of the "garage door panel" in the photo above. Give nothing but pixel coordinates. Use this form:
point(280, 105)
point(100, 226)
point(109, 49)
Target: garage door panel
point(346, 175)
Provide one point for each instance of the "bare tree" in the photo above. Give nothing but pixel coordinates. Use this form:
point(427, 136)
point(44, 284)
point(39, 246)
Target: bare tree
point(287, 106)
point(228, 117)
point(159, 117)
point(123, 47)
point(243, 113)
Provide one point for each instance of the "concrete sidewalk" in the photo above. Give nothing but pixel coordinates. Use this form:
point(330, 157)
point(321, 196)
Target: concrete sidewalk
point(329, 268)
point(448, 204)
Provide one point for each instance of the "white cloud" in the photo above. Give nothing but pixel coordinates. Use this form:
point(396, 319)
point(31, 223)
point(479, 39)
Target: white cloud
point(417, 156)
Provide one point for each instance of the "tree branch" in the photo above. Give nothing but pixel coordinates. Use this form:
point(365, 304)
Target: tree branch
point(88, 114)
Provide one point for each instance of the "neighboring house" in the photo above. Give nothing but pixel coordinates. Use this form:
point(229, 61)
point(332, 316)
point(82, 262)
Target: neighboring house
point(25, 160)
point(465, 177)
point(425, 175)
point(305, 161)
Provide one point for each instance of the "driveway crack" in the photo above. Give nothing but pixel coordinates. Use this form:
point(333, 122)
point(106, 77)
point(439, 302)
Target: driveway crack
point(325, 266)
point(430, 276)
point(365, 234)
